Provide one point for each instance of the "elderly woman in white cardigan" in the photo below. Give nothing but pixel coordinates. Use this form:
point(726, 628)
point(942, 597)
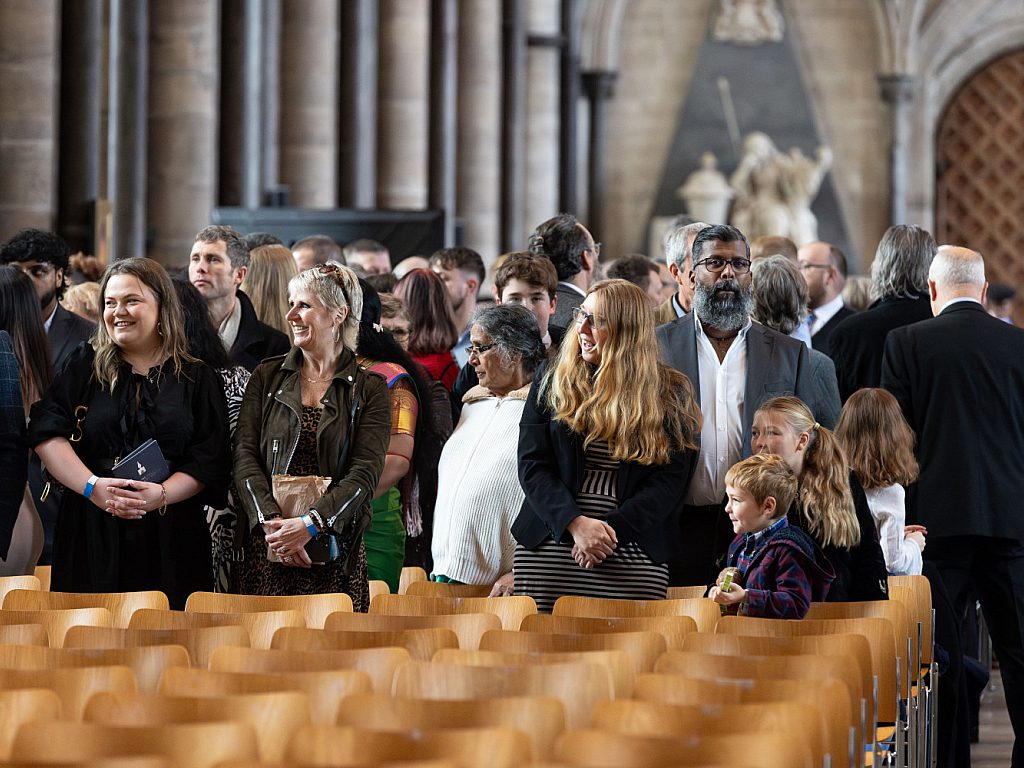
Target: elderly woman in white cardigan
point(478, 493)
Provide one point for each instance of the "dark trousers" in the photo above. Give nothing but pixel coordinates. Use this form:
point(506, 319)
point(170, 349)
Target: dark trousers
point(704, 537)
point(993, 569)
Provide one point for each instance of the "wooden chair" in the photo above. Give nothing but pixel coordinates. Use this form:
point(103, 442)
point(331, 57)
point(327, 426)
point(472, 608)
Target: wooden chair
point(540, 718)
point(57, 622)
point(618, 663)
point(687, 593)
point(261, 625)
point(444, 589)
point(120, 604)
point(421, 644)
point(314, 608)
point(378, 587)
point(23, 634)
point(43, 572)
point(74, 686)
point(468, 627)
point(148, 663)
point(193, 745)
point(23, 706)
point(325, 688)
point(915, 593)
point(468, 747)
point(511, 610)
point(379, 664)
point(200, 642)
point(703, 611)
point(408, 576)
point(274, 716)
point(578, 685)
point(10, 583)
point(672, 628)
point(643, 648)
point(601, 749)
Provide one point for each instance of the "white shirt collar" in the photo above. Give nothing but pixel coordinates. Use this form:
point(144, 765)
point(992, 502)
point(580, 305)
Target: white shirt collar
point(959, 300)
point(575, 287)
point(826, 312)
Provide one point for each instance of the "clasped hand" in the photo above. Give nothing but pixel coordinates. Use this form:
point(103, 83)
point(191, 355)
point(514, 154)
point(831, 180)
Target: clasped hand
point(735, 594)
point(593, 541)
point(288, 538)
point(128, 499)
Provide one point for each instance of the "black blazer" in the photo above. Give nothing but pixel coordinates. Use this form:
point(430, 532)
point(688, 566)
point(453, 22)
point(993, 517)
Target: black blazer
point(958, 378)
point(568, 299)
point(255, 341)
point(822, 338)
point(67, 331)
point(858, 341)
point(551, 465)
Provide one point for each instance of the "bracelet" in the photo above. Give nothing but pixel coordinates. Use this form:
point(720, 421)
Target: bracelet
point(308, 522)
point(163, 500)
point(316, 519)
point(90, 485)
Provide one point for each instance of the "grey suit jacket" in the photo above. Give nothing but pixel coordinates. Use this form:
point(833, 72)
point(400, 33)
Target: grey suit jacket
point(826, 389)
point(67, 331)
point(776, 365)
point(568, 300)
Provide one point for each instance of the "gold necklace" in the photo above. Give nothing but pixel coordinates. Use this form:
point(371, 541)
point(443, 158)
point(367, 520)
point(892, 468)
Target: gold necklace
point(315, 381)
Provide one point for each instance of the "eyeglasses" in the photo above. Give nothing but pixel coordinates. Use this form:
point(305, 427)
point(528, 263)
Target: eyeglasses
point(479, 349)
point(808, 265)
point(400, 333)
point(579, 315)
point(716, 264)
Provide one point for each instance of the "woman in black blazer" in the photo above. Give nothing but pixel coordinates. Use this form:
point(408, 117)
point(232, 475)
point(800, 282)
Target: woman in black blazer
point(606, 451)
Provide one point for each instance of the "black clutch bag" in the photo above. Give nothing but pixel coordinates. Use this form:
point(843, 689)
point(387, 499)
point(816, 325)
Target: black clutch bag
point(146, 463)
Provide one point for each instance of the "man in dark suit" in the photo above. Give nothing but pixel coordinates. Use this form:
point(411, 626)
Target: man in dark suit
point(571, 248)
point(958, 378)
point(824, 269)
point(678, 244)
point(734, 366)
point(899, 277)
point(216, 267)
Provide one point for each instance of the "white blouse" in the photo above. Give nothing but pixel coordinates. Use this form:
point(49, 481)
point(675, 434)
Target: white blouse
point(902, 555)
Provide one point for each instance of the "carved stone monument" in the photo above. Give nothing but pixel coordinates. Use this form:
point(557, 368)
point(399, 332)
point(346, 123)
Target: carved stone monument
point(749, 22)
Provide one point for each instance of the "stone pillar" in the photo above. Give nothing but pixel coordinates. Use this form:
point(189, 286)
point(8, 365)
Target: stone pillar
point(443, 112)
point(513, 123)
point(543, 117)
point(357, 137)
point(404, 99)
point(28, 114)
point(479, 157)
point(568, 105)
point(183, 100)
point(897, 92)
point(309, 102)
point(599, 87)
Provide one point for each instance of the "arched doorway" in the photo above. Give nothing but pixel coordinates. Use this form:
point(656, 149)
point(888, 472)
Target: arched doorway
point(979, 187)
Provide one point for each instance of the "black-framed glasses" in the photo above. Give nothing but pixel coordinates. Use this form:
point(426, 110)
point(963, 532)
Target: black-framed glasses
point(716, 264)
point(479, 349)
point(579, 315)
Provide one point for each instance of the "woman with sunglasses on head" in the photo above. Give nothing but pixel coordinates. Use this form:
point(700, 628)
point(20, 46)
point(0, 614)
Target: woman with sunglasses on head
point(606, 451)
point(312, 412)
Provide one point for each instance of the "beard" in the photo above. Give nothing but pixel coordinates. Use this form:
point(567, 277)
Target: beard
point(726, 312)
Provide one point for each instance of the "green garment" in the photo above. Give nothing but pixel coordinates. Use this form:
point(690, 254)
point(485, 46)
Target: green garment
point(385, 540)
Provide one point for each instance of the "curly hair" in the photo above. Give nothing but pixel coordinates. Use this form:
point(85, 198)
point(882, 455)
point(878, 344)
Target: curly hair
point(563, 240)
point(37, 245)
point(515, 333)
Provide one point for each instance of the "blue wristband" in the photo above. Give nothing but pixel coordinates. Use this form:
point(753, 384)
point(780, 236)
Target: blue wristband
point(308, 522)
point(90, 484)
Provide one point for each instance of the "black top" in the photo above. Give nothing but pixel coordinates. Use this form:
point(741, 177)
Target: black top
point(13, 448)
point(187, 416)
point(822, 338)
point(67, 331)
point(255, 341)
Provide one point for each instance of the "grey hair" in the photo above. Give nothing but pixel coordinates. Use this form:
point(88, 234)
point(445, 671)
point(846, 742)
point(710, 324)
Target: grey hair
point(954, 266)
point(335, 290)
point(238, 251)
point(780, 293)
point(515, 333)
point(676, 251)
point(902, 259)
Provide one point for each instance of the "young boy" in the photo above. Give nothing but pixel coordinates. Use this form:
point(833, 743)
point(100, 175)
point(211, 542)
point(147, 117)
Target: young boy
point(774, 571)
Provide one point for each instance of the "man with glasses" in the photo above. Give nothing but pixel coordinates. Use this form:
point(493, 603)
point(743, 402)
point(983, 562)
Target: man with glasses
point(734, 366)
point(571, 248)
point(824, 269)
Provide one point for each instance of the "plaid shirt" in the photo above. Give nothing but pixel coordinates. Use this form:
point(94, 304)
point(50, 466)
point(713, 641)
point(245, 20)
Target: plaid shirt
point(754, 542)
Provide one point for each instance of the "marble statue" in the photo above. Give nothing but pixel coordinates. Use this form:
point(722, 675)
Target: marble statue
point(706, 192)
point(749, 22)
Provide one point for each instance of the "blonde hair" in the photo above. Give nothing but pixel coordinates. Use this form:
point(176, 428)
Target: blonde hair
point(271, 267)
point(824, 501)
point(765, 475)
point(170, 321)
point(877, 439)
point(84, 300)
point(640, 406)
point(336, 287)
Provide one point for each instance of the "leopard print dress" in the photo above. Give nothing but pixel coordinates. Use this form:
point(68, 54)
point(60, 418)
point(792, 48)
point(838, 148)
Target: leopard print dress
point(262, 577)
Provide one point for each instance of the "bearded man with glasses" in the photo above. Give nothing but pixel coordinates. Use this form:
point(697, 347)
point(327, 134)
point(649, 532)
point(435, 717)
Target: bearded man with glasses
point(734, 365)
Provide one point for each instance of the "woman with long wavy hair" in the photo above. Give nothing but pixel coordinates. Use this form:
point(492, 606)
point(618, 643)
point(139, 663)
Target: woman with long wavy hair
point(607, 449)
point(433, 327)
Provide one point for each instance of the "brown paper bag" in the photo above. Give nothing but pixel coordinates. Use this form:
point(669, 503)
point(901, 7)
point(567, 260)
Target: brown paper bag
point(294, 495)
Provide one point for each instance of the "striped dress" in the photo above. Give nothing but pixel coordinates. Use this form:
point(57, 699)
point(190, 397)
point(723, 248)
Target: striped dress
point(549, 571)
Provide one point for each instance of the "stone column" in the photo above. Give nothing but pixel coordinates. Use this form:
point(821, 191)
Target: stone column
point(28, 114)
point(599, 87)
point(443, 112)
point(357, 138)
point(568, 105)
point(309, 102)
point(183, 109)
point(513, 123)
point(897, 91)
point(543, 116)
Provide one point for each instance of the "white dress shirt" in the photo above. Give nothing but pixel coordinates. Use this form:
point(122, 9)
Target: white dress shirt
point(902, 555)
point(722, 389)
point(825, 312)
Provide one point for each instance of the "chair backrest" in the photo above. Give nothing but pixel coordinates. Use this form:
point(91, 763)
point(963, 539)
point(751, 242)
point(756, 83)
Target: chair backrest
point(193, 745)
point(74, 686)
point(11, 583)
point(511, 610)
point(468, 747)
point(148, 663)
point(120, 604)
point(57, 622)
point(915, 593)
point(24, 634)
point(325, 688)
point(314, 608)
point(410, 574)
point(421, 644)
point(687, 593)
point(445, 589)
point(578, 685)
point(643, 648)
point(200, 642)
point(541, 718)
point(261, 625)
point(378, 587)
point(274, 716)
point(703, 611)
point(23, 706)
point(618, 663)
point(42, 572)
point(378, 663)
point(468, 627)
point(672, 628)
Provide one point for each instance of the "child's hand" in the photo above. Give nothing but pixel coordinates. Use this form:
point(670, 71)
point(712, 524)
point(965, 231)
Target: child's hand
point(734, 596)
point(917, 537)
point(725, 572)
